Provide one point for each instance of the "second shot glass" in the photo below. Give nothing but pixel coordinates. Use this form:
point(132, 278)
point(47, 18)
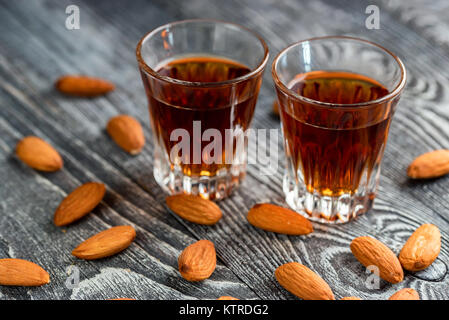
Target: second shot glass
point(337, 96)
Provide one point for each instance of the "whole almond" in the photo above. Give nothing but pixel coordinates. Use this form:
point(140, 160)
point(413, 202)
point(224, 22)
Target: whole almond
point(127, 133)
point(194, 208)
point(18, 272)
point(429, 165)
point(372, 252)
point(197, 262)
point(405, 294)
point(227, 298)
point(350, 298)
point(105, 243)
point(83, 86)
point(421, 249)
point(303, 282)
point(79, 202)
point(38, 154)
point(273, 218)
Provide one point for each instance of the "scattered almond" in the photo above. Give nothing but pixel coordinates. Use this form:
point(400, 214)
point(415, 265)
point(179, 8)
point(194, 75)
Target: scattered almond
point(273, 218)
point(227, 298)
point(372, 252)
point(433, 164)
point(405, 294)
point(194, 208)
point(127, 133)
point(105, 243)
point(18, 272)
point(197, 262)
point(421, 249)
point(79, 202)
point(350, 298)
point(303, 282)
point(38, 154)
point(83, 86)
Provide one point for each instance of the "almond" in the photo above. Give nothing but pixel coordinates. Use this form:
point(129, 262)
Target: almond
point(194, 208)
point(350, 298)
point(227, 298)
point(372, 252)
point(18, 272)
point(273, 218)
point(197, 262)
point(127, 133)
point(105, 243)
point(79, 202)
point(405, 294)
point(303, 282)
point(38, 154)
point(433, 164)
point(421, 249)
point(83, 86)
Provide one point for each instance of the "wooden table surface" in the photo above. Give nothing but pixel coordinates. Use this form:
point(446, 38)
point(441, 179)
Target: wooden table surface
point(36, 48)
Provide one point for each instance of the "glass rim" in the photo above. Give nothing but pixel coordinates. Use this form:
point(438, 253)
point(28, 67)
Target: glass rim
point(396, 91)
point(254, 71)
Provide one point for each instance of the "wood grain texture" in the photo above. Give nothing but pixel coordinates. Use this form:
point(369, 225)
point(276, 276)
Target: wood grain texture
point(36, 49)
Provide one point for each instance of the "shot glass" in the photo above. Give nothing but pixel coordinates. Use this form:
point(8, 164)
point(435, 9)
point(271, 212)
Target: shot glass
point(202, 78)
point(337, 96)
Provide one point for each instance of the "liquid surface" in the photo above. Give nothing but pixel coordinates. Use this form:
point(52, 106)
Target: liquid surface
point(203, 69)
point(337, 87)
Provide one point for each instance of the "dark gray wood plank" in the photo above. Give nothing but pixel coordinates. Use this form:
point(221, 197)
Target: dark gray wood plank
point(36, 49)
point(148, 267)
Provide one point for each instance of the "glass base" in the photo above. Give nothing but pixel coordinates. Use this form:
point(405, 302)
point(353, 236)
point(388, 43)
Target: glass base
point(215, 187)
point(330, 210)
point(327, 209)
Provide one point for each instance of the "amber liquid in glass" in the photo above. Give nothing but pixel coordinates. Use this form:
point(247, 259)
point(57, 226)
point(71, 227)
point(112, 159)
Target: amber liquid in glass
point(223, 107)
point(334, 148)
